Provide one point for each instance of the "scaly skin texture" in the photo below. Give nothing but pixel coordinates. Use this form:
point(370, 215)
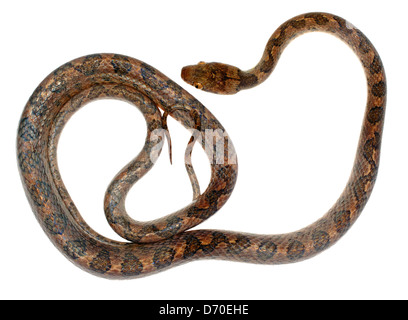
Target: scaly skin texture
point(165, 242)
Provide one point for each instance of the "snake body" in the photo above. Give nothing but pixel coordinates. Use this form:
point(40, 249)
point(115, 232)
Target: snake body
point(166, 242)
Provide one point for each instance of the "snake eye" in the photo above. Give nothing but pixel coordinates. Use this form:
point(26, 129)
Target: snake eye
point(198, 85)
point(201, 62)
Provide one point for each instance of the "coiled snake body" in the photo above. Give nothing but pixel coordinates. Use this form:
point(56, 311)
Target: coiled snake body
point(165, 242)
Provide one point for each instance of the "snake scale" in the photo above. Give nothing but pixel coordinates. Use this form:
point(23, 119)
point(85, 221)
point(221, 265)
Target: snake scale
point(166, 242)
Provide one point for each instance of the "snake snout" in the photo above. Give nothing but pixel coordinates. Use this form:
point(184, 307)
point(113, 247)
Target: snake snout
point(186, 73)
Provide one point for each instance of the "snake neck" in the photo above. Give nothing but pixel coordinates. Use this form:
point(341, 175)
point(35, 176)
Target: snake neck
point(292, 29)
point(248, 80)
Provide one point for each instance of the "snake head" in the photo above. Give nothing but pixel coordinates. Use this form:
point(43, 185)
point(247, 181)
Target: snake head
point(213, 77)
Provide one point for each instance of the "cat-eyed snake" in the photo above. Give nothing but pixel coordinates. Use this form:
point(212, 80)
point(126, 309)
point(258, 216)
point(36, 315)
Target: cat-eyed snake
point(157, 245)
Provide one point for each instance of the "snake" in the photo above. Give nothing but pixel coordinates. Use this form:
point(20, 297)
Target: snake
point(153, 246)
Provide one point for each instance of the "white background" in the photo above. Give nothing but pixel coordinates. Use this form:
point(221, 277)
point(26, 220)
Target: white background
point(295, 136)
